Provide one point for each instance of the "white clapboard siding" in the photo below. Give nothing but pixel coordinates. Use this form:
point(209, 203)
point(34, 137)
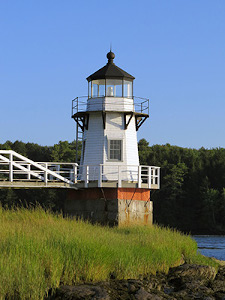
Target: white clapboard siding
point(115, 130)
point(97, 139)
point(110, 104)
point(94, 140)
point(131, 143)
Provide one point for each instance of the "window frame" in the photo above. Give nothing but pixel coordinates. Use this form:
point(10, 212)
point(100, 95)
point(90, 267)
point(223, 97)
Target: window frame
point(109, 150)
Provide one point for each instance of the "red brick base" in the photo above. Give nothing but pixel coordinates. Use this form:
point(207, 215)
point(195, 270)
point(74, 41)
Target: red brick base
point(110, 193)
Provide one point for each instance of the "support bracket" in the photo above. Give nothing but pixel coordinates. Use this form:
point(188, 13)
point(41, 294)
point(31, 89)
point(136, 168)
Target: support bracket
point(103, 118)
point(126, 123)
point(82, 120)
point(140, 119)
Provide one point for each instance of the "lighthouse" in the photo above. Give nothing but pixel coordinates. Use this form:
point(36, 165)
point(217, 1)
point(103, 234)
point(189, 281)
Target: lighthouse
point(113, 187)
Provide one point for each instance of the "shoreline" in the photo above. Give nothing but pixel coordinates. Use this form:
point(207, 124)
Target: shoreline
point(187, 281)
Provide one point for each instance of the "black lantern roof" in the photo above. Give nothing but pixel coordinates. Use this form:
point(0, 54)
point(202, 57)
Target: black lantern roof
point(110, 71)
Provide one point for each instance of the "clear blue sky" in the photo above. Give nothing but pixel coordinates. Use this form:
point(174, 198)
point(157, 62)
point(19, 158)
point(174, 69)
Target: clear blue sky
point(174, 48)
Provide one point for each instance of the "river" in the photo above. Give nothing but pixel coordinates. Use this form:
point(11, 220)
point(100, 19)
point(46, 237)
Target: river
point(211, 245)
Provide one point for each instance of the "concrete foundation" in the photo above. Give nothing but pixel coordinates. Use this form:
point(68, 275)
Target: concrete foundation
point(112, 206)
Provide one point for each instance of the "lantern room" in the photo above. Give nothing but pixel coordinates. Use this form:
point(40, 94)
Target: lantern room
point(110, 81)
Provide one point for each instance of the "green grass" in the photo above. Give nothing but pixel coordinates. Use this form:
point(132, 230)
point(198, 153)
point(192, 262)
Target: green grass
point(40, 250)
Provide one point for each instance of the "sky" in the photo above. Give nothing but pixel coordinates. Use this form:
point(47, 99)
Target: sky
point(174, 48)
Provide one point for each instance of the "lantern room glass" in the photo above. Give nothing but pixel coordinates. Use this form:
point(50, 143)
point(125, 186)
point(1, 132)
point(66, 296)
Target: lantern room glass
point(128, 89)
point(96, 88)
point(110, 88)
point(114, 87)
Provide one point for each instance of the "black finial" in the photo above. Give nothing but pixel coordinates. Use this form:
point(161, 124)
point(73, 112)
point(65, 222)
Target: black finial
point(110, 55)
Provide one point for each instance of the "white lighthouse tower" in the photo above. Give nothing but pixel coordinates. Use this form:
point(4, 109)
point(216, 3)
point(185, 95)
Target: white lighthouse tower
point(108, 121)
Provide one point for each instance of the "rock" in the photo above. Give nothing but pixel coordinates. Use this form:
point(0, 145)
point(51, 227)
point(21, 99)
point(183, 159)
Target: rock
point(143, 295)
point(221, 274)
point(181, 295)
point(82, 292)
point(219, 296)
point(186, 282)
point(132, 289)
point(168, 290)
point(218, 286)
point(188, 272)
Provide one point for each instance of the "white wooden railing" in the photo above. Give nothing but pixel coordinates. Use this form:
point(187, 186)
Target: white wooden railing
point(148, 175)
point(16, 167)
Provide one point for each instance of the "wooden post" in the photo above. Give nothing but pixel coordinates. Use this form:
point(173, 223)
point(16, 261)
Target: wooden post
point(28, 174)
point(139, 177)
point(86, 176)
point(158, 170)
point(75, 173)
point(46, 174)
point(11, 167)
point(149, 177)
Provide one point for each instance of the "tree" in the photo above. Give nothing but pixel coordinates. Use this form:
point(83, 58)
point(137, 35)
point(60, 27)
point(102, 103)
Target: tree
point(63, 152)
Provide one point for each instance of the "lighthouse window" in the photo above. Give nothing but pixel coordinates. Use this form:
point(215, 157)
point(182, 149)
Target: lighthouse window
point(127, 89)
point(114, 87)
point(115, 150)
point(98, 88)
point(95, 90)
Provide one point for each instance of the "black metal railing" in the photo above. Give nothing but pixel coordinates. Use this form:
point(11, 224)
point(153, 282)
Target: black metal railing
point(79, 104)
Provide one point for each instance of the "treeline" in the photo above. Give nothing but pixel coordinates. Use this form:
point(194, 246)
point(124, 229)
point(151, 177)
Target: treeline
point(192, 193)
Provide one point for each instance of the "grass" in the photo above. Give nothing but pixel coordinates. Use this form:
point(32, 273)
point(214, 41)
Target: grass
point(40, 250)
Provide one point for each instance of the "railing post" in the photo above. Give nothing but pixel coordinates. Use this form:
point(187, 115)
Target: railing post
point(100, 176)
point(158, 170)
point(119, 177)
point(46, 174)
point(149, 177)
point(75, 173)
point(139, 176)
point(28, 172)
point(154, 175)
point(86, 176)
point(11, 167)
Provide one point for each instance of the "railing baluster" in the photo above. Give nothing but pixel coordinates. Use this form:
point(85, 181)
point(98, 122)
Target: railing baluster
point(75, 173)
point(28, 172)
point(158, 178)
point(46, 174)
point(139, 176)
point(11, 167)
point(149, 177)
point(86, 176)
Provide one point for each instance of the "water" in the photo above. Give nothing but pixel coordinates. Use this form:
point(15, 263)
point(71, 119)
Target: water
point(211, 245)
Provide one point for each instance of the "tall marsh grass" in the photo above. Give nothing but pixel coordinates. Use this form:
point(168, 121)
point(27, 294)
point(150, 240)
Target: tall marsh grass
point(40, 250)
